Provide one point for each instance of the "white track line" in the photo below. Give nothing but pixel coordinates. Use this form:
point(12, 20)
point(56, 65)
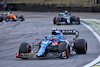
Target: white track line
point(98, 37)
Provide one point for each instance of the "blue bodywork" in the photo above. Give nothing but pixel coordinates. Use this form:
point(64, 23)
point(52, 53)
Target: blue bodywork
point(47, 41)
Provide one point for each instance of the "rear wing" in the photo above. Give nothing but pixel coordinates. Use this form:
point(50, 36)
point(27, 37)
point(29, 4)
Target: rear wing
point(61, 13)
point(4, 13)
point(70, 32)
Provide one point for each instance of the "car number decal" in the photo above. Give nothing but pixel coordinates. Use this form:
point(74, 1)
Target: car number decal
point(55, 43)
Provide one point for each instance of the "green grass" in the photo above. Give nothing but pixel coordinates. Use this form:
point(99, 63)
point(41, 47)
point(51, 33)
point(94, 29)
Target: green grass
point(50, 1)
point(94, 23)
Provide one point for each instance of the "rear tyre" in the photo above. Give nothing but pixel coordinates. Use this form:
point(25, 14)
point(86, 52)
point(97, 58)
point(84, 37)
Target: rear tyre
point(7, 19)
point(21, 17)
point(54, 20)
point(64, 48)
point(1, 19)
point(24, 48)
point(80, 46)
point(78, 20)
point(58, 19)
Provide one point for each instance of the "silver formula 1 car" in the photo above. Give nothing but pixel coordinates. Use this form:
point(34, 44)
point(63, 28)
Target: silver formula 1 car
point(66, 19)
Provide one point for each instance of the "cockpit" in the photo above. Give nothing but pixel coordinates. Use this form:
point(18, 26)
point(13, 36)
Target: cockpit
point(51, 37)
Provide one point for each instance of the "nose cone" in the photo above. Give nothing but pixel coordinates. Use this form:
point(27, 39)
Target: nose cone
point(39, 54)
point(41, 51)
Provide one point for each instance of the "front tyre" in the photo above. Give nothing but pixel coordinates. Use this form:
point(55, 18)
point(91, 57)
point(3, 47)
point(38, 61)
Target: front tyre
point(80, 46)
point(24, 48)
point(64, 50)
point(1, 19)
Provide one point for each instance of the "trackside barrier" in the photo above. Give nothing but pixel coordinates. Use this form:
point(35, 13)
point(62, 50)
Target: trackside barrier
point(67, 2)
point(47, 8)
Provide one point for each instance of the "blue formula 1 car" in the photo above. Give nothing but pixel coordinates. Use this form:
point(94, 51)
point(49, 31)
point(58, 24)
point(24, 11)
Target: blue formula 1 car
point(6, 18)
point(66, 19)
point(55, 43)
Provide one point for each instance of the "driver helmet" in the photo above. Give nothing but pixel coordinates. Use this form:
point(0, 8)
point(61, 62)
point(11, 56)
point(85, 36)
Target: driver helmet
point(54, 29)
point(66, 12)
point(55, 32)
point(10, 12)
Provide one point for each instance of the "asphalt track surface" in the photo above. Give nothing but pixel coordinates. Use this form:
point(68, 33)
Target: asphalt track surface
point(37, 25)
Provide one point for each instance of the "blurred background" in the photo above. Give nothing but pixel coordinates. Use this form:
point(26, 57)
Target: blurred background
point(39, 5)
point(75, 2)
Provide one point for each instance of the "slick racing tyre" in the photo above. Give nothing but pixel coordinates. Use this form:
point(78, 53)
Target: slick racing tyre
point(78, 20)
point(7, 19)
point(54, 20)
point(62, 47)
point(80, 46)
point(58, 19)
point(21, 17)
point(1, 19)
point(73, 18)
point(24, 48)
